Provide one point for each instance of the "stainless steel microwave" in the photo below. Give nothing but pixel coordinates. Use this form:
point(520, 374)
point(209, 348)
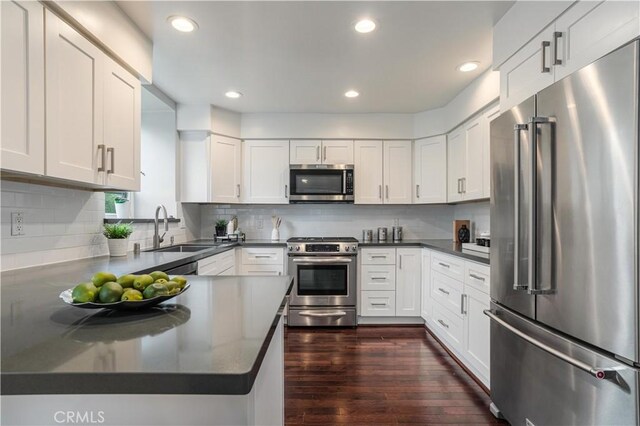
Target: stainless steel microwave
point(321, 183)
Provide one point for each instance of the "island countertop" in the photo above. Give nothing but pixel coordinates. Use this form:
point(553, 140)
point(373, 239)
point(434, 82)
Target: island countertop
point(209, 340)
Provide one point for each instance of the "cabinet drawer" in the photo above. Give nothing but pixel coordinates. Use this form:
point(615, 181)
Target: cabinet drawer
point(378, 256)
point(262, 256)
point(477, 276)
point(378, 277)
point(263, 270)
point(447, 292)
point(448, 326)
point(450, 266)
point(378, 303)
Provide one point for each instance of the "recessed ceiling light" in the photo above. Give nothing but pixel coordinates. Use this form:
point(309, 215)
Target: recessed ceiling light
point(352, 94)
point(233, 94)
point(468, 66)
point(183, 24)
point(365, 26)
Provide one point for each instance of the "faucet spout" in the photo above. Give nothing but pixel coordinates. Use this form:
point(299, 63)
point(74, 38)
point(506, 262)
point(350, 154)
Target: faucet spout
point(157, 238)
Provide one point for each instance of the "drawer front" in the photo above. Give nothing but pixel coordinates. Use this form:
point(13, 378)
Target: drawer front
point(447, 292)
point(448, 265)
point(262, 256)
point(378, 303)
point(378, 256)
point(448, 326)
point(262, 270)
point(378, 277)
point(477, 276)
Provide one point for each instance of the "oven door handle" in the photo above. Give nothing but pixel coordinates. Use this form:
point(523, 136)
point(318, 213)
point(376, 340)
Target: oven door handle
point(323, 260)
point(322, 314)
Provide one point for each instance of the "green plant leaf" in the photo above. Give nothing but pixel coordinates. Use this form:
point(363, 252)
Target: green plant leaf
point(117, 231)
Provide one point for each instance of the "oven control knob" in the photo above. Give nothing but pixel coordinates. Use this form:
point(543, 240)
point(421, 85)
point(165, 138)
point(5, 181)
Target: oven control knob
point(297, 248)
point(290, 248)
point(347, 248)
point(354, 248)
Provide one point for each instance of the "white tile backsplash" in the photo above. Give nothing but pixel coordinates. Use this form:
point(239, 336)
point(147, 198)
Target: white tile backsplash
point(477, 213)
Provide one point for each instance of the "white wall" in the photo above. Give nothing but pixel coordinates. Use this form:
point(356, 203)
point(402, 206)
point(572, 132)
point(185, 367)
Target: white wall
point(477, 213)
point(345, 220)
point(158, 150)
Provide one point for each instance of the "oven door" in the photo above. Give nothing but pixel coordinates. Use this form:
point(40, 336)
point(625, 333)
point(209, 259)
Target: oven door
point(323, 280)
point(312, 184)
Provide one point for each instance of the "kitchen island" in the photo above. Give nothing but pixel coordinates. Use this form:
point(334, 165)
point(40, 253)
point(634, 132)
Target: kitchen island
point(211, 356)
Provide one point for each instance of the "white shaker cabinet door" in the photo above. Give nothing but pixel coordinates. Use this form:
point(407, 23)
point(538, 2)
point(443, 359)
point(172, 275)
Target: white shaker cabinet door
point(397, 172)
point(472, 181)
point(425, 279)
point(430, 170)
point(22, 86)
point(491, 114)
point(337, 152)
point(226, 162)
point(74, 105)
point(408, 282)
point(122, 115)
point(476, 340)
point(265, 172)
point(305, 152)
point(456, 164)
point(368, 172)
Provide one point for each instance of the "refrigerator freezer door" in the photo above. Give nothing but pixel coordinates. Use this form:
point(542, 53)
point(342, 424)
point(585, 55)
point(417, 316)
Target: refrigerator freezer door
point(588, 169)
point(505, 172)
point(530, 383)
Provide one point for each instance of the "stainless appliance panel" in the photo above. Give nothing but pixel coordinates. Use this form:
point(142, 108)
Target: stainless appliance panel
point(322, 317)
point(529, 383)
point(321, 183)
point(300, 297)
point(587, 203)
point(504, 137)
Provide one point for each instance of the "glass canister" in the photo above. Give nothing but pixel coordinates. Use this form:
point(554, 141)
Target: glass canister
point(382, 234)
point(367, 235)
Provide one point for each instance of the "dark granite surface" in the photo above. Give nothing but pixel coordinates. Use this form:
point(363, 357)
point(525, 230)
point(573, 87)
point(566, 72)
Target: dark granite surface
point(209, 340)
point(444, 246)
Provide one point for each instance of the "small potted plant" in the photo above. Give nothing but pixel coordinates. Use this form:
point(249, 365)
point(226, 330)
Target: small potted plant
point(221, 227)
point(122, 208)
point(117, 237)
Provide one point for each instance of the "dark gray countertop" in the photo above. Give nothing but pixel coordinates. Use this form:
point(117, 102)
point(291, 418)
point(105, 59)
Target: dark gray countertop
point(444, 246)
point(209, 340)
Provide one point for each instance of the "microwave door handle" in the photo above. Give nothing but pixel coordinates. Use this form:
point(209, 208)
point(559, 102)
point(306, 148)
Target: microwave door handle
point(344, 182)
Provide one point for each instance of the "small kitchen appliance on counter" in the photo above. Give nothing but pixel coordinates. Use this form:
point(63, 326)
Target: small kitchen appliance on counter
point(397, 234)
point(382, 234)
point(367, 235)
point(324, 281)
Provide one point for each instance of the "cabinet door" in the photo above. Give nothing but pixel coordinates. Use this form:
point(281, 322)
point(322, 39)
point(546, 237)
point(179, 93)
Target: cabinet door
point(122, 127)
point(225, 169)
point(265, 171)
point(368, 172)
point(590, 29)
point(522, 76)
point(378, 303)
point(195, 167)
point(425, 307)
point(476, 340)
point(456, 163)
point(397, 172)
point(305, 152)
point(74, 105)
point(337, 152)
point(22, 86)
point(491, 114)
point(408, 282)
point(430, 170)
point(472, 185)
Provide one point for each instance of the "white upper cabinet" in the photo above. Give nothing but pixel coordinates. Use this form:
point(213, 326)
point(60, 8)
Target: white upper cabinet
point(74, 105)
point(305, 152)
point(22, 86)
point(408, 282)
point(321, 152)
point(121, 127)
point(194, 169)
point(590, 29)
point(368, 172)
point(226, 162)
point(397, 172)
point(265, 172)
point(491, 114)
point(337, 152)
point(474, 133)
point(430, 170)
point(456, 164)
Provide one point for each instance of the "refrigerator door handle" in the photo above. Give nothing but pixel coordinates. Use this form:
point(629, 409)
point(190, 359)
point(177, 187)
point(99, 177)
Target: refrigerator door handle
point(533, 204)
point(517, 129)
point(598, 373)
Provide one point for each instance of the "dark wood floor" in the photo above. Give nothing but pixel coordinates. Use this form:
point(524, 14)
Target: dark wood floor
point(377, 375)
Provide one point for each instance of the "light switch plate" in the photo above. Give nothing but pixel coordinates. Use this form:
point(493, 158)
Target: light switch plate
point(17, 223)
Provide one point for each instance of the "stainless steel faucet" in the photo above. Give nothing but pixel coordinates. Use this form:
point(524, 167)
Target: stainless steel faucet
point(157, 238)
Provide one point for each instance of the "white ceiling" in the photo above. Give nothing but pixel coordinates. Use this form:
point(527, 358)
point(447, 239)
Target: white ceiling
point(303, 56)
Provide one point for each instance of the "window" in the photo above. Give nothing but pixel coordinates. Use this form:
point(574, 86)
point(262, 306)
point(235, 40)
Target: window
point(110, 200)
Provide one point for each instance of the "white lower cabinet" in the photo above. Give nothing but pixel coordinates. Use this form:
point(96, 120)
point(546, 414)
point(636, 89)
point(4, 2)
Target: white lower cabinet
point(262, 261)
point(426, 304)
point(378, 303)
point(408, 282)
point(476, 340)
point(219, 264)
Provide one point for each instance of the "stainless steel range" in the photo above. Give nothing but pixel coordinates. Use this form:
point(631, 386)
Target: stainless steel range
point(324, 284)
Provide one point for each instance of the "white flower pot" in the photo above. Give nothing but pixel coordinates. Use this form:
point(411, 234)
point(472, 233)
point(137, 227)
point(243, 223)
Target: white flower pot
point(118, 247)
point(123, 210)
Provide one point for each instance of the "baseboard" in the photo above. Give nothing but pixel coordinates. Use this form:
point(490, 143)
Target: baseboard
point(457, 360)
point(390, 321)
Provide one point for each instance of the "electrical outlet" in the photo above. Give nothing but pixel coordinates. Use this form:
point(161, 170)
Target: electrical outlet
point(17, 223)
point(259, 223)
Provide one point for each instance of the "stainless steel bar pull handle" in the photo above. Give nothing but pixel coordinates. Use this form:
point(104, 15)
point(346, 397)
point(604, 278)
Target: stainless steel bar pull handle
point(444, 265)
point(463, 298)
point(325, 154)
point(444, 324)
point(517, 147)
point(238, 191)
point(442, 290)
point(556, 35)
point(103, 157)
point(380, 191)
point(378, 304)
point(543, 50)
point(318, 153)
point(286, 191)
point(322, 314)
point(417, 191)
point(387, 190)
point(598, 373)
point(378, 278)
point(112, 169)
point(477, 277)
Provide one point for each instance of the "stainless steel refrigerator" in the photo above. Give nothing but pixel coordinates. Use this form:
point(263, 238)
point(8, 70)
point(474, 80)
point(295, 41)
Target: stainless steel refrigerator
point(565, 245)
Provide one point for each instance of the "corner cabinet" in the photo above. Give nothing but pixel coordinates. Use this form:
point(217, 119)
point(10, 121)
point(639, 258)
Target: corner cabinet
point(265, 171)
point(22, 86)
point(430, 170)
